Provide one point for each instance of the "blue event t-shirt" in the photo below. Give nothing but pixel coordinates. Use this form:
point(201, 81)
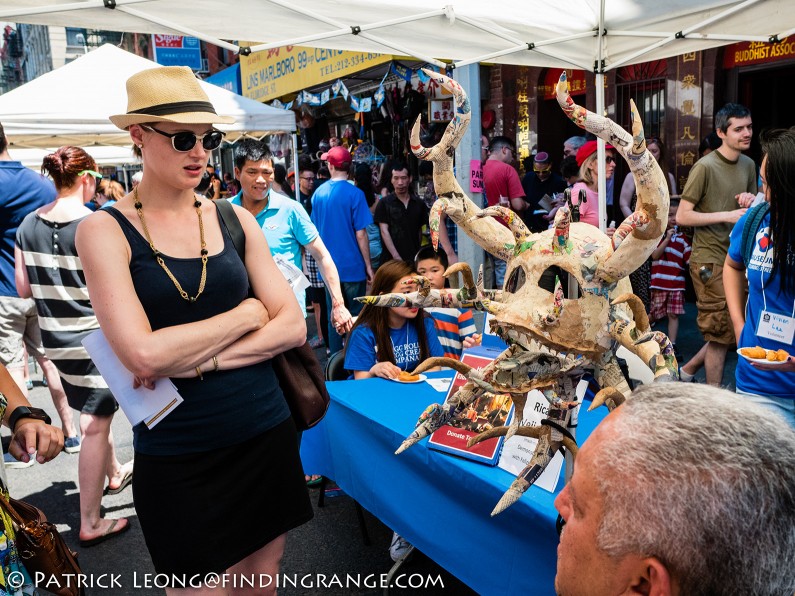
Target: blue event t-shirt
point(748, 378)
point(361, 349)
point(21, 191)
point(339, 209)
point(287, 228)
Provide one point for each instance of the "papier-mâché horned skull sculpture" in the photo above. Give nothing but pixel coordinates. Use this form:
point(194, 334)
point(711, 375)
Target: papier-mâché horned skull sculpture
point(580, 331)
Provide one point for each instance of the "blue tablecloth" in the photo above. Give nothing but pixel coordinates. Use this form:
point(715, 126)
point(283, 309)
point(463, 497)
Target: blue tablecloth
point(438, 502)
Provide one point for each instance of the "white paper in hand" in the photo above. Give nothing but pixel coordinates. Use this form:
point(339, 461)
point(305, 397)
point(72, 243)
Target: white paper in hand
point(294, 276)
point(149, 406)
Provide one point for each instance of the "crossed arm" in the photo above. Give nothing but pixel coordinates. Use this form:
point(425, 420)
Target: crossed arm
point(255, 330)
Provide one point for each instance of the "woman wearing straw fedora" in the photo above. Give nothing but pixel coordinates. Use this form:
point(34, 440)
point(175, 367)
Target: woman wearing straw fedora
point(217, 482)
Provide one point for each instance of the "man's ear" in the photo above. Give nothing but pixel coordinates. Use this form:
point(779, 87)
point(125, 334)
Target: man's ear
point(652, 578)
point(237, 172)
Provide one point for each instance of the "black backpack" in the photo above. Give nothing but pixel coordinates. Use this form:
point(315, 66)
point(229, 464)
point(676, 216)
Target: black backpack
point(751, 227)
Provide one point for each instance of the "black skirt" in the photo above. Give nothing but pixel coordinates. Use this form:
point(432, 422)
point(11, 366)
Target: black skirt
point(204, 512)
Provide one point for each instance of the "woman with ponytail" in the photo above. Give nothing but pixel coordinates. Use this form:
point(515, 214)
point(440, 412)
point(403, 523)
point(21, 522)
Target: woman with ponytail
point(49, 270)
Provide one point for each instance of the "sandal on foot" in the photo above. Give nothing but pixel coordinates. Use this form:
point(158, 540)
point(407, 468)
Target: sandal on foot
point(111, 532)
point(313, 480)
point(125, 482)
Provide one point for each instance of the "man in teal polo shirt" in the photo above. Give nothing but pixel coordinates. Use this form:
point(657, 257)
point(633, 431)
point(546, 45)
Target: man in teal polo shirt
point(284, 222)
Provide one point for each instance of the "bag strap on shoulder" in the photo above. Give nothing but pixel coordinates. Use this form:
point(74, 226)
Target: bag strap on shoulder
point(752, 223)
point(227, 214)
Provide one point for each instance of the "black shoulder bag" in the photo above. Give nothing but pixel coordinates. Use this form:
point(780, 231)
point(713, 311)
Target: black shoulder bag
point(298, 370)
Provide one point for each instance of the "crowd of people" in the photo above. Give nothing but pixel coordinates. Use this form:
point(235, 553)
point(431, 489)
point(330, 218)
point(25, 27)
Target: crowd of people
point(175, 300)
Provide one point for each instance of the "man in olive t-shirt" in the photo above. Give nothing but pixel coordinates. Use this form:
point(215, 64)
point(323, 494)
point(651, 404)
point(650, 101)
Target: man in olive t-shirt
point(719, 189)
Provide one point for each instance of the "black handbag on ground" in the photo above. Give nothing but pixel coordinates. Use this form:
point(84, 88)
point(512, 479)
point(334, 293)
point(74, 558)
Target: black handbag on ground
point(42, 549)
point(298, 370)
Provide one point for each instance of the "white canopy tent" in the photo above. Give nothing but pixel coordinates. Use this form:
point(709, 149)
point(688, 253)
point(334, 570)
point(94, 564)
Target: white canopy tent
point(104, 155)
point(71, 105)
point(589, 34)
point(597, 35)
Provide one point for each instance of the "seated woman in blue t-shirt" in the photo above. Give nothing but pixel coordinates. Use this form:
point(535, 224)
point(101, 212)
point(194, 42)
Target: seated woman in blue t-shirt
point(386, 341)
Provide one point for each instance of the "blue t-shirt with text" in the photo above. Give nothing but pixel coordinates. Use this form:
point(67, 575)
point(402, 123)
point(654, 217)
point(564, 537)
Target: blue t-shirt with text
point(360, 353)
point(748, 378)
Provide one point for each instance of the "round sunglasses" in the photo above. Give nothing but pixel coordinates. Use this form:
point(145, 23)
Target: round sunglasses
point(185, 141)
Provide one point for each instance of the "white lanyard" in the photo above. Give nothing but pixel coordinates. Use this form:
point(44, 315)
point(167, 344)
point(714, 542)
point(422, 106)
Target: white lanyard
point(771, 325)
point(762, 280)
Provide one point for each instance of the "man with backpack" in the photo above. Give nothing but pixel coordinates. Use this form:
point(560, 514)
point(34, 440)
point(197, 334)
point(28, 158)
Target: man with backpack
point(720, 187)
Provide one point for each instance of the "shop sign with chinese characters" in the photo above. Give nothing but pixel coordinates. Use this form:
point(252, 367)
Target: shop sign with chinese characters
point(688, 114)
point(576, 80)
point(441, 110)
point(276, 72)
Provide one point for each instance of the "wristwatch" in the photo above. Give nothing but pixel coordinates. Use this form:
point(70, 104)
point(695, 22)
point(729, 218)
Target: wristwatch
point(26, 412)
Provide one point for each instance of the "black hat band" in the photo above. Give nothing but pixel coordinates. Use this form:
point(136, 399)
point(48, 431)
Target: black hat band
point(177, 107)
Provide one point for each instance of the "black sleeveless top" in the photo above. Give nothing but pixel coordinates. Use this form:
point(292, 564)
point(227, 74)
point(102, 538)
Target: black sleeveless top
point(228, 407)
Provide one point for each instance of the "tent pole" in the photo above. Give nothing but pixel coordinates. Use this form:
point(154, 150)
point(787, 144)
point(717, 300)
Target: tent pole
point(469, 149)
point(599, 83)
point(295, 164)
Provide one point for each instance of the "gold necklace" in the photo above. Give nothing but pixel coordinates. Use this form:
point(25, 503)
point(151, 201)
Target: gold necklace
point(159, 259)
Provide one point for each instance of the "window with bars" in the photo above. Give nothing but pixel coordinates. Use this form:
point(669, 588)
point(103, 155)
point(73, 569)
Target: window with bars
point(645, 84)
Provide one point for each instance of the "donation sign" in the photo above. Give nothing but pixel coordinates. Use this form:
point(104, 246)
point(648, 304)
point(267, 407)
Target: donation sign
point(272, 73)
point(177, 50)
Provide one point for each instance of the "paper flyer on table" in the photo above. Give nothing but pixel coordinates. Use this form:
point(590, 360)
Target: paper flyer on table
point(149, 406)
point(517, 451)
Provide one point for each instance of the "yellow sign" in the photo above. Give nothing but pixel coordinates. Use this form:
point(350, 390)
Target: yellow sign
point(272, 73)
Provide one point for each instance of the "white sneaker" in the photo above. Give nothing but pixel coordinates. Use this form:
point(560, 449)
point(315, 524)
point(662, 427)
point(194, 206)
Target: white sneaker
point(399, 549)
point(13, 463)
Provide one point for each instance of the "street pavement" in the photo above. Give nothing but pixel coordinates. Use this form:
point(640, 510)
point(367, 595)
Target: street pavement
point(330, 545)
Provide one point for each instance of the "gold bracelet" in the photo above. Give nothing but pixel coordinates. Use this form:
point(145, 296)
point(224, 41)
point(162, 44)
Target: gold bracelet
point(215, 362)
point(199, 373)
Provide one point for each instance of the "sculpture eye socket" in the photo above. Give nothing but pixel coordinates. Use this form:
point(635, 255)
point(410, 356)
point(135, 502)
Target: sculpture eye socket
point(515, 280)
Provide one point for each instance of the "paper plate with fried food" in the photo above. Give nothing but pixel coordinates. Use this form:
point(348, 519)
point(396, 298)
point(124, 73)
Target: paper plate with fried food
point(763, 356)
point(405, 377)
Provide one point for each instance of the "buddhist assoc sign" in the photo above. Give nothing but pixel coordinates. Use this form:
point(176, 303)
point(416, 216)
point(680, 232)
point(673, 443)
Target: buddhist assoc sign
point(757, 52)
point(272, 73)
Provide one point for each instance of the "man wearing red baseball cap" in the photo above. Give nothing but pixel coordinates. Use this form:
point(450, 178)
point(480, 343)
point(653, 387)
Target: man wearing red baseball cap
point(341, 215)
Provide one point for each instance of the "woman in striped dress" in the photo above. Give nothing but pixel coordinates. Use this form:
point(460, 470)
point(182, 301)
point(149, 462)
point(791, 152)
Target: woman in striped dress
point(49, 270)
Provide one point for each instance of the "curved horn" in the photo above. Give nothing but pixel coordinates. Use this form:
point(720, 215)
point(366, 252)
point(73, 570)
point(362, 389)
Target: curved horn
point(430, 363)
point(609, 396)
point(511, 219)
point(650, 184)
point(489, 234)
point(638, 310)
point(560, 239)
point(435, 220)
point(466, 272)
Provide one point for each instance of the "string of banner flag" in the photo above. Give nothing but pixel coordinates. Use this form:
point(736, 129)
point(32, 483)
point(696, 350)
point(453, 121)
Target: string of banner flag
point(357, 103)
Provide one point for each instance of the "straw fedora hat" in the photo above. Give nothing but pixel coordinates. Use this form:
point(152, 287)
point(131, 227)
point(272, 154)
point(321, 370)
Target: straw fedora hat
point(167, 94)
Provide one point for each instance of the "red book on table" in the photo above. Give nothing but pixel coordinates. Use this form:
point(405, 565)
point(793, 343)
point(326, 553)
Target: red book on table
point(482, 414)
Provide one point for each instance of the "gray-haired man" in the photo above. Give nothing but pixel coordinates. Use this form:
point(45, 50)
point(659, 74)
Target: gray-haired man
point(684, 489)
